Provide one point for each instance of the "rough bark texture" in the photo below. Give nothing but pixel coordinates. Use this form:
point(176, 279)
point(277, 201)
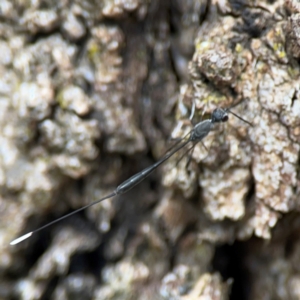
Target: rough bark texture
point(91, 92)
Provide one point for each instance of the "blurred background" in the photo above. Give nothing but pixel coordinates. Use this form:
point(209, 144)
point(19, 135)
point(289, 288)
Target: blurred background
point(92, 92)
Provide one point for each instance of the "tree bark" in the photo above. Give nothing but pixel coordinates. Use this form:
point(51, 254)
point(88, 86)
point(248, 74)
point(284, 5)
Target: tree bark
point(93, 92)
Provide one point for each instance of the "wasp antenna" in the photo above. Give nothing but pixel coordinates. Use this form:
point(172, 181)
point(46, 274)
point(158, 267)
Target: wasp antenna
point(236, 104)
point(192, 110)
point(237, 116)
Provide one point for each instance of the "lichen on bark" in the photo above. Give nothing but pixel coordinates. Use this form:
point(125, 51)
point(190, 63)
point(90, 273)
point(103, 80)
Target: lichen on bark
point(90, 93)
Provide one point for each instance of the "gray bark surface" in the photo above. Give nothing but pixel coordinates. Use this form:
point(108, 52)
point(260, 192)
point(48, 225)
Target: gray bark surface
point(91, 92)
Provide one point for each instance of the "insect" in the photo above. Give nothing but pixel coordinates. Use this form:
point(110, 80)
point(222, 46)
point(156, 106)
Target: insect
point(196, 135)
